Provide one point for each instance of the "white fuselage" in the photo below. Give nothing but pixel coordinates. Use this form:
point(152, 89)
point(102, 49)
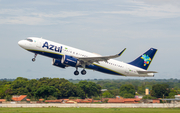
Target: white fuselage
point(53, 50)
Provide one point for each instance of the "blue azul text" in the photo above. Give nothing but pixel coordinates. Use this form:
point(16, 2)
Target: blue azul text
point(52, 47)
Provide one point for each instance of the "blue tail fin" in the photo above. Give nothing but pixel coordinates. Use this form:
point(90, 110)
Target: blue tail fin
point(144, 60)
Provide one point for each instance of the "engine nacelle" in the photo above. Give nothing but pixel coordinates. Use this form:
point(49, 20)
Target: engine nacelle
point(70, 61)
point(58, 63)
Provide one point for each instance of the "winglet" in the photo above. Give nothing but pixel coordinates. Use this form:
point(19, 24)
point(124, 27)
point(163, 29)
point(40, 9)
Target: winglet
point(121, 52)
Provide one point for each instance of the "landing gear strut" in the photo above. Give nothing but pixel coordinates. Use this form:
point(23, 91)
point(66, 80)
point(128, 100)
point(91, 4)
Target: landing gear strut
point(33, 59)
point(83, 72)
point(76, 72)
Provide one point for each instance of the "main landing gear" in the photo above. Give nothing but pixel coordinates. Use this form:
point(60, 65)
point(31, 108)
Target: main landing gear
point(76, 72)
point(33, 59)
point(83, 72)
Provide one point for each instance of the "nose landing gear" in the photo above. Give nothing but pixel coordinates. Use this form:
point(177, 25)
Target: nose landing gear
point(33, 59)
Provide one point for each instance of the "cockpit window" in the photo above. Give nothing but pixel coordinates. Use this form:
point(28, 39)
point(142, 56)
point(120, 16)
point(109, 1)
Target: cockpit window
point(30, 40)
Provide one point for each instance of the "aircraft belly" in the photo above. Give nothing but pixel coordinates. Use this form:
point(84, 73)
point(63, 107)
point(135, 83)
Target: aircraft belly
point(48, 54)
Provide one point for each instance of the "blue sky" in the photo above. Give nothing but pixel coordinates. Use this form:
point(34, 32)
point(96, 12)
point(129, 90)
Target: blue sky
point(101, 26)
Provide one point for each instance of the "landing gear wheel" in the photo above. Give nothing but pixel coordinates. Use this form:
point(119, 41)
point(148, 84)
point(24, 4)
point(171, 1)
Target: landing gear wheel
point(76, 72)
point(83, 72)
point(33, 59)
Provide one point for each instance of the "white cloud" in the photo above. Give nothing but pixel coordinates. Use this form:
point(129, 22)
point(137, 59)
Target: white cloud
point(165, 11)
point(21, 20)
point(153, 11)
point(6, 12)
point(161, 2)
point(31, 17)
point(62, 14)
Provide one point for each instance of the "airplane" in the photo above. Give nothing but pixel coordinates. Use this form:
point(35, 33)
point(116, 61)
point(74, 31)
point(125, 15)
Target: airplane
point(65, 56)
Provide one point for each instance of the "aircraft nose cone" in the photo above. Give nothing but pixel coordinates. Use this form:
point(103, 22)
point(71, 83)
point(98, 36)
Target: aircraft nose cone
point(20, 43)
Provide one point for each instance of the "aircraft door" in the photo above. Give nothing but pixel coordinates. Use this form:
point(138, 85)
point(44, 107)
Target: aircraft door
point(126, 70)
point(38, 43)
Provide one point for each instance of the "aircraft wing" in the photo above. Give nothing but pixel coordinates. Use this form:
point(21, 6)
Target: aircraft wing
point(90, 60)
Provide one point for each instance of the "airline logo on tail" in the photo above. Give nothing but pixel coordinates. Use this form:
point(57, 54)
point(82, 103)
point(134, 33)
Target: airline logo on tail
point(146, 59)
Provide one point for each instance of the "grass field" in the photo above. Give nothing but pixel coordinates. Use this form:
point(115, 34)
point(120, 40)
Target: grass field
point(89, 110)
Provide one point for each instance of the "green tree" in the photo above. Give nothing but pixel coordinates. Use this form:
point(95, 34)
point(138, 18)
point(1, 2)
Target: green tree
point(18, 86)
point(5, 90)
point(148, 97)
point(66, 88)
point(51, 98)
point(172, 94)
point(78, 92)
point(114, 92)
point(107, 94)
point(90, 88)
point(141, 90)
point(127, 90)
point(94, 89)
point(8, 97)
point(84, 86)
point(31, 88)
point(46, 91)
point(128, 95)
point(160, 90)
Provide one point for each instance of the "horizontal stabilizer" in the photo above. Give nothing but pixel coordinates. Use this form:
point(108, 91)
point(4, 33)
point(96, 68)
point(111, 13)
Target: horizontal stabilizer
point(146, 72)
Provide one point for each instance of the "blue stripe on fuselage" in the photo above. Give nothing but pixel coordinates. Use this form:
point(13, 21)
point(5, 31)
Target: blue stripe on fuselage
point(58, 56)
point(48, 54)
point(101, 69)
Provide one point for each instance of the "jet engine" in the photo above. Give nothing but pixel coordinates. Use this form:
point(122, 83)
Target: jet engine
point(70, 61)
point(58, 63)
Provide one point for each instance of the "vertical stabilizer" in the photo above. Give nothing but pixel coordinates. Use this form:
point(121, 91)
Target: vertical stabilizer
point(145, 59)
